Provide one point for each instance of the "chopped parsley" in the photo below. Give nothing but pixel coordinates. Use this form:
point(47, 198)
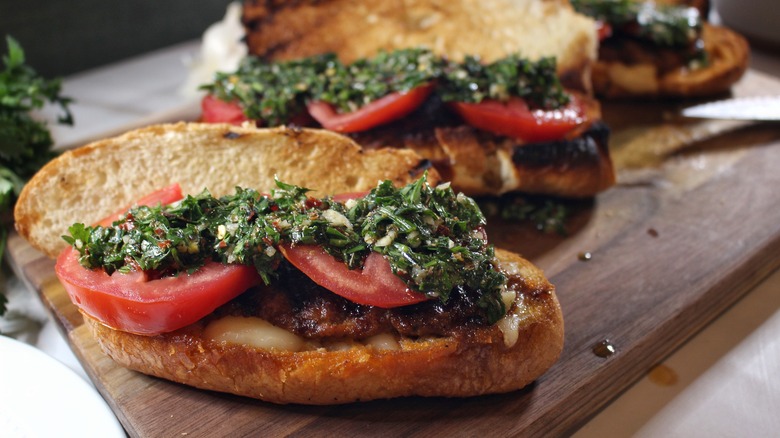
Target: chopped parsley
point(536, 82)
point(276, 92)
point(431, 236)
point(352, 86)
point(548, 215)
point(284, 86)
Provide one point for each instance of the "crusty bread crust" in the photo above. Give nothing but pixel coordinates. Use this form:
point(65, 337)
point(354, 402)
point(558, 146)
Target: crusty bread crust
point(480, 363)
point(728, 54)
point(490, 29)
point(87, 184)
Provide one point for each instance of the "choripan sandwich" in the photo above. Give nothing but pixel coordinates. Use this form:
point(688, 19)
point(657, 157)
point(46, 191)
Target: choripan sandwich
point(288, 265)
point(663, 49)
point(496, 94)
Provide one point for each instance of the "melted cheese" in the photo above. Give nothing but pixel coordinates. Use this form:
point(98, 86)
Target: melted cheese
point(259, 333)
point(511, 322)
point(510, 178)
point(510, 327)
point(383, 341)
point(254, 332)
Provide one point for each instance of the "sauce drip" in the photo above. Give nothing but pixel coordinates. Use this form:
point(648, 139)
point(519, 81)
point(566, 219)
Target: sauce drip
point(604, 349)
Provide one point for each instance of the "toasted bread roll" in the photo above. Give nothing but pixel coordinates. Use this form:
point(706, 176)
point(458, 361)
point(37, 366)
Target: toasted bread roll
point(293, 341)
point(122, 169)
point(479, 163)
point(476, 360)
point(491, 29)
point(727, 53)
point(728, 60)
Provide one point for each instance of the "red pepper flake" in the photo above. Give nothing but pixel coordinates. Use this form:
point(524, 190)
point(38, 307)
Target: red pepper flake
point(313, 203)
point(129, 261)
point(127, 226)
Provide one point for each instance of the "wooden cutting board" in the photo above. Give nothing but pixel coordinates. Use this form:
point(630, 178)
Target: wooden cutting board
point(692, 225)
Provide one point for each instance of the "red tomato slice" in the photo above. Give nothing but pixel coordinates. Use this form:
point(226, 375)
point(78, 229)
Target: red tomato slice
point(374, 285)
point(515, 119)
point(131, 303)
point(381, 111)
point(215, 110)
point(164, 196)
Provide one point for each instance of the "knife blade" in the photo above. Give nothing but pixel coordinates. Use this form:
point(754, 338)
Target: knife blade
point(758, 108)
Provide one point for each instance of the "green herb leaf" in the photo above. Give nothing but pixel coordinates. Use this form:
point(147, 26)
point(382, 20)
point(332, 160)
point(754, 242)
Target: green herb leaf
point(25, 143)
point(276, 93)
point(430, 235)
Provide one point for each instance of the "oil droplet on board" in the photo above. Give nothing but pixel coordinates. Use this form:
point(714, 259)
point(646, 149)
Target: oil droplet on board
point(662, 375)
point(604, 349)
point(585, 256)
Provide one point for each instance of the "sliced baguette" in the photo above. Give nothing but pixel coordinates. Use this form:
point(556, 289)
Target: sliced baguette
point(89, 183)
point(476, 162)
point(727, 52)
point(486, 360)
point(490, 29)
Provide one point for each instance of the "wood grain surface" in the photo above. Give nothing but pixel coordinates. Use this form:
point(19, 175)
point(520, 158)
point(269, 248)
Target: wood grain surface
point(692, 225)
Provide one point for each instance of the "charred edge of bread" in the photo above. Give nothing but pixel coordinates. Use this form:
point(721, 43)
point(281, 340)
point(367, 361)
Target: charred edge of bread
point(573, 167)
point(578, 165)
point(728, 54)
point(479, 363)
point(479, 163)
point(283, 30)
point(197, 156)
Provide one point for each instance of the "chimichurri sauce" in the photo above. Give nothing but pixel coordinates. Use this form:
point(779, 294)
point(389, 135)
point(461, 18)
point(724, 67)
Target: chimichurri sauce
point(276, 92)
point(432, 237)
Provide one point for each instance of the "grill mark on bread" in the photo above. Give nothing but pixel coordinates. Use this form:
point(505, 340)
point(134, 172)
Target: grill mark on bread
point(481, 163)
point(582, 151)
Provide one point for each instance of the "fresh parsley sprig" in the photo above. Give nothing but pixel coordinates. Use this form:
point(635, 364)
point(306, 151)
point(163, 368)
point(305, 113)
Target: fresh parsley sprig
point(25, 143)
